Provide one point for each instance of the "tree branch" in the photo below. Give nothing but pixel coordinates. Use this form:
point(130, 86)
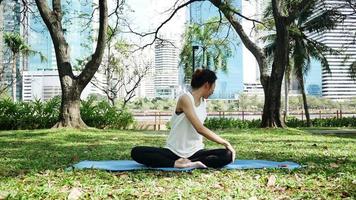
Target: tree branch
point(93, 64)
point(57, 9)
point(255, 50)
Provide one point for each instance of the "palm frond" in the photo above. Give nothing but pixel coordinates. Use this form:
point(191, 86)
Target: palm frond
point(325, 21)
point(352, 70)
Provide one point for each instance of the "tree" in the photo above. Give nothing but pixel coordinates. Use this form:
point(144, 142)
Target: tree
point(71, 85)
point(302, 48)
point(17, 46)
point(284, 13)
point(124, 71)
point(215, 50)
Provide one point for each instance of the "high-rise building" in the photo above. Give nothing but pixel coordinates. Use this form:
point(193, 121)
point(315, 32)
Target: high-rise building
point(338, 85)
point(10, 22)
point(230, 83)
point(44, 85)
point(166, 69)
point(148, 15)
point(77, 31)
point(41, 79)
point(2, 81)
point(253, 10)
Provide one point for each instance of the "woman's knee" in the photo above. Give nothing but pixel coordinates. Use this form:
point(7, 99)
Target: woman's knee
point(136, 152)
point(228, 155)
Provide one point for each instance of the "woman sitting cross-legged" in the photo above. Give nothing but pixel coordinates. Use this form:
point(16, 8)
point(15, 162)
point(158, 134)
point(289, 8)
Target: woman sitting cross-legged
point(184, 146)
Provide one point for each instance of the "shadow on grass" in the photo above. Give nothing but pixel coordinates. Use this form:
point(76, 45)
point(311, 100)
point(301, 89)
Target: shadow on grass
point(20, 153)
point(342, 133)
point(21, 157)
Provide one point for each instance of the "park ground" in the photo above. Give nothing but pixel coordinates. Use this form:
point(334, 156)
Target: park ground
point(33, 163)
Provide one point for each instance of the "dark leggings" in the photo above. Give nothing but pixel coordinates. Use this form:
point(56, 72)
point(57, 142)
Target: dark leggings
point(163, 157)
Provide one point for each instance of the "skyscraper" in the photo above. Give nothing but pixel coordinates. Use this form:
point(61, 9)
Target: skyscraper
point(10, 22)
point(338, 85)
point(166, 69)
point(77, 31)
point(148, 15)
point(41, 79)
point(230, 83)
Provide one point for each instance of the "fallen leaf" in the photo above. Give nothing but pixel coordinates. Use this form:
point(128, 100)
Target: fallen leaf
point(160, 189)
point(297, 177)
point(345, 194)
point(280, 189)
point(218, 186)
point(74, 194)
point(110, 195)
point(146, 193)
point(354, 182)
point(75, 158)
point(271, 181)
point(283, 198)
point(253, 198)
point(4, 195)
point(122, 175)
point(334, 165)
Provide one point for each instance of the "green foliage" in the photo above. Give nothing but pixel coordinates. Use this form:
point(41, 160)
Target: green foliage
point(102, 115)
point(161, 104)
point(327, 122)
point(17, 45)
point(39, 115)
point(214, 50)
point(302, 48)
point(28, 115)
point(228, 123)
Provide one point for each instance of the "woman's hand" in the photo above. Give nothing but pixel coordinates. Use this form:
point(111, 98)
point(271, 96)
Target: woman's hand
point(228, 146)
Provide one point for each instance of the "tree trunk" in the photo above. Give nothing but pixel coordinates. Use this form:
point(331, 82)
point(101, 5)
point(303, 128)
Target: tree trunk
point(271, 111)
point(286, 96)
point(70, 109)
point(71, 85)
point(108, 76)
point(14, 82)
point(271, 83)
point(204, 59)
point(271, 116)
point(305, 103)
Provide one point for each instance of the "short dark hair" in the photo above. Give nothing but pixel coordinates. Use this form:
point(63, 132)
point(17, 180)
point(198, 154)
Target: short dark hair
point(201, 76)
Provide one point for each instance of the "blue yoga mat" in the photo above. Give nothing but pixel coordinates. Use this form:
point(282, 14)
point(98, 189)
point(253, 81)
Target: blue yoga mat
point(127, 165)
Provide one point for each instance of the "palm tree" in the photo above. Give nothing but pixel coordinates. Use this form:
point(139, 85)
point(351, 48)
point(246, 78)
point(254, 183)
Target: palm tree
point(215, 50)
point(18, 46)
point(302, 48)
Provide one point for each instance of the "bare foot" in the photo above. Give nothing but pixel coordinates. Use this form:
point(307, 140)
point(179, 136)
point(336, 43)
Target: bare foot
point(186, 163)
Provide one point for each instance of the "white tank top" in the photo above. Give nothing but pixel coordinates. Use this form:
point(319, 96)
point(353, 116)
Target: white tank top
point(183, 139)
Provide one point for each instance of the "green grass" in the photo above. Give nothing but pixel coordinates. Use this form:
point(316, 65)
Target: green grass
point(32, 166)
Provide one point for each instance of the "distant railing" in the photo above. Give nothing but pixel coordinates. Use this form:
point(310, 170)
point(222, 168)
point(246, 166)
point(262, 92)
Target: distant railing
point(157, 119)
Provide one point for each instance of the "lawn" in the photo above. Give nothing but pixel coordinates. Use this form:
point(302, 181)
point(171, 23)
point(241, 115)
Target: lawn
point(32, 166)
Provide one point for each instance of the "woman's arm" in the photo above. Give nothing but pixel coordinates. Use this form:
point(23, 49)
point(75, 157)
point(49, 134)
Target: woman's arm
point(185, 104)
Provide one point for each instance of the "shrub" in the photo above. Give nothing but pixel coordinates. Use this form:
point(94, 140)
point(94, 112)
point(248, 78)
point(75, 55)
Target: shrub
point(28, 115)
point(224, 123)
point(102, 115)
point(37, 114)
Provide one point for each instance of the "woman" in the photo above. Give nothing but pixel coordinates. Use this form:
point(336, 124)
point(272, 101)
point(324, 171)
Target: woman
point(184, 146)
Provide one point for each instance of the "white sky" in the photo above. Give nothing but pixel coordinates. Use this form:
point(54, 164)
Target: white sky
point(147, 15)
